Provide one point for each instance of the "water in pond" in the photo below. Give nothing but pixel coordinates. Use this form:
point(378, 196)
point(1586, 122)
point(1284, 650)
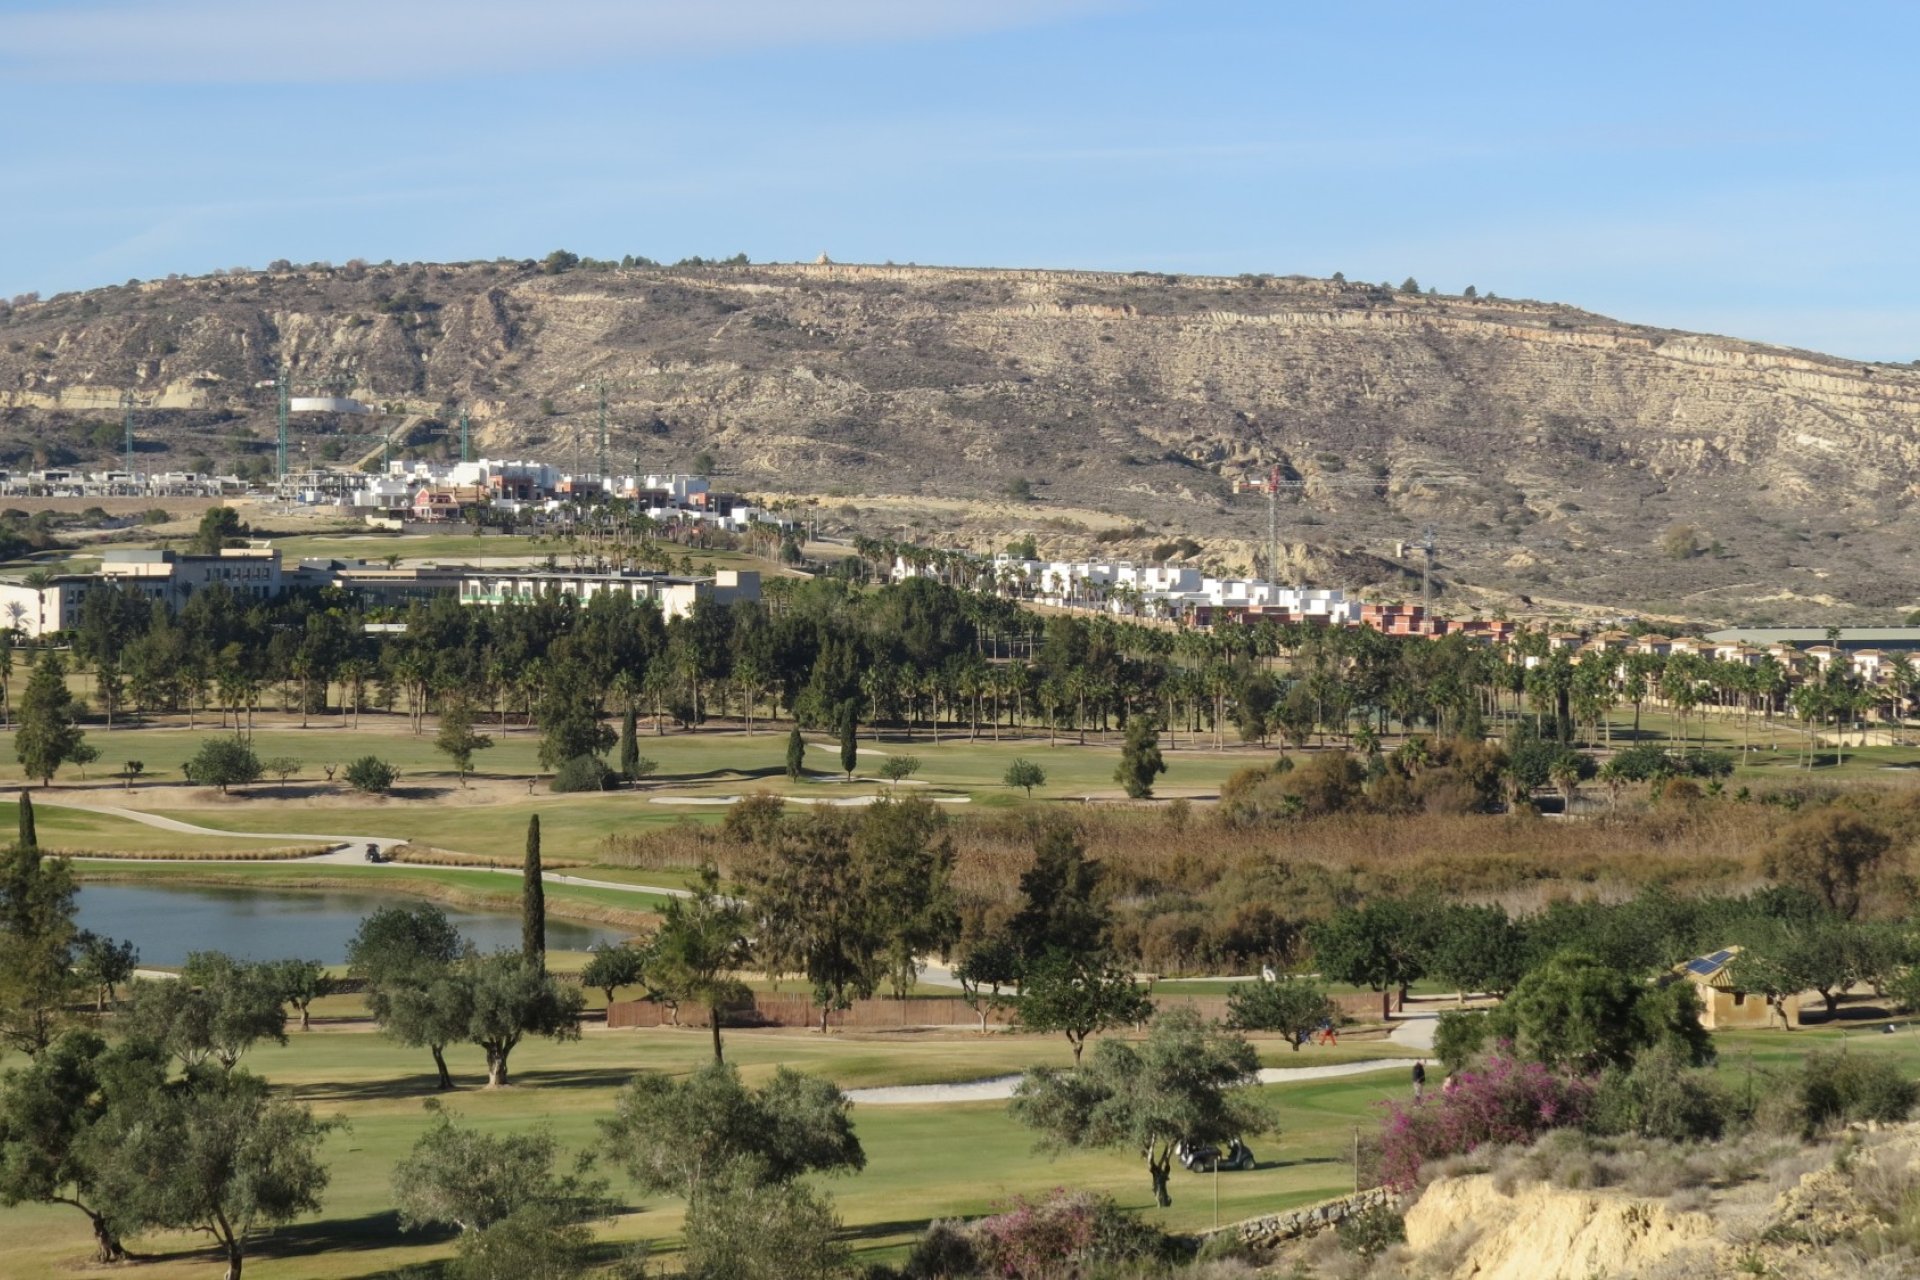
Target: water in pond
point(166, 923)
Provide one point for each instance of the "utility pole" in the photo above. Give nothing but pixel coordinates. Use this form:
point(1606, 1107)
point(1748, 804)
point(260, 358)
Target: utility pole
point(1426, 572)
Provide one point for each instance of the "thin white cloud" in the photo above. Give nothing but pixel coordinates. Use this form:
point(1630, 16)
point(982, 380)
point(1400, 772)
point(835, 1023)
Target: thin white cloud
point(326, 41)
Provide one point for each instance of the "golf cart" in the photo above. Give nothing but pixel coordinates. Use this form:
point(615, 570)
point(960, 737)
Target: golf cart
point(374, 854)
point(1201, 1157)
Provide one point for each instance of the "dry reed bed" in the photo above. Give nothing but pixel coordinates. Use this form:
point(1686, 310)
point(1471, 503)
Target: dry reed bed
point(277, 853)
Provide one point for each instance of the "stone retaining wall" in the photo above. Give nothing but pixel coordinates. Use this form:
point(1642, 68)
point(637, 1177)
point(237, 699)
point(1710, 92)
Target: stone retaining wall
point(1277, 1228)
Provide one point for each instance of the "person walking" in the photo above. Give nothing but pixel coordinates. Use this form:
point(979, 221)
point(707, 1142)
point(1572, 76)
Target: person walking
point(1419, 1079)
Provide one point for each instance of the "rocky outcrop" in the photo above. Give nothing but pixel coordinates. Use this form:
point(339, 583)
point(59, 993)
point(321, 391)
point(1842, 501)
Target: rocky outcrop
point(1547, 445)
point(1547, 1233)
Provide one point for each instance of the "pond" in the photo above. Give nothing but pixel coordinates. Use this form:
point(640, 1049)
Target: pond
point(167, 922)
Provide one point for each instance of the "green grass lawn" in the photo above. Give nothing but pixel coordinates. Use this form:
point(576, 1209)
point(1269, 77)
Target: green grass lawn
point(75, 831)
point(923, 1161)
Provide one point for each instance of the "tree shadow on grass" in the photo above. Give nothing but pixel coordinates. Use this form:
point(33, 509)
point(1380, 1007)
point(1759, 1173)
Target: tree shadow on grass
point(340, 1235)
point(881, 1230)
point(426, 1084)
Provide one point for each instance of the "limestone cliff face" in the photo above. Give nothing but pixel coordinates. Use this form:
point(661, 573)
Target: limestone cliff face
point(1551, 449)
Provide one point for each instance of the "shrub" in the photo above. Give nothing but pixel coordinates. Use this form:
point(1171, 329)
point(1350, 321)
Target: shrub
point(1506, 1102)
point(1032, 1240)
point(1660, 1097)
point(1371, 1230)
point(223, 763)
point(583, 773)
point(371, 774)
point(1839, 1087)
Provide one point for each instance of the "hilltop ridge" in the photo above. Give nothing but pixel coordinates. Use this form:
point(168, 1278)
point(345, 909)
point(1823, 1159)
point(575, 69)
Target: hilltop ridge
point(1555, 452)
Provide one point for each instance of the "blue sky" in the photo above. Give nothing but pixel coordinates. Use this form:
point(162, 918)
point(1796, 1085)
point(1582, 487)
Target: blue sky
point(1738, 168)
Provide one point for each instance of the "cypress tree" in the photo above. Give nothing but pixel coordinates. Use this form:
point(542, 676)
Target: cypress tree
point(29, 838)
point(849, 747)
point(629, 746)
point(533, 900)
point(796, 754)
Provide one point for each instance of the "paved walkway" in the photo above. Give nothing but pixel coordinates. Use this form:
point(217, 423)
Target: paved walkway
point(999, 1088)
point(352, 851)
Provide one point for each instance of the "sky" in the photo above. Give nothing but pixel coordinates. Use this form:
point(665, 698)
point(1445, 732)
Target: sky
point(1749, 169)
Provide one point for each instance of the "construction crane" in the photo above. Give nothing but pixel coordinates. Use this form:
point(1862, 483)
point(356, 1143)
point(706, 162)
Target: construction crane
point(127, 405)
point(1426, 572)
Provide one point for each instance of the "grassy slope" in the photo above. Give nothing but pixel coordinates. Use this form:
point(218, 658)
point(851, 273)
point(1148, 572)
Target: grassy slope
point(72, 831)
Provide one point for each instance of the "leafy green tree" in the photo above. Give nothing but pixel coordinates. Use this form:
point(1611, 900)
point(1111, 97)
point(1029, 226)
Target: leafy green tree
point(992, 965)
point(534, 1242)
point(1476, 948)
point(630, 745)
point(741, 1227)
point(217, 1010)
point(1026, 775)
point(471, 1179)
point(1577, 1014)
point(1078, 996)
point(1140, 761)
point(904, 858)
point(513, 999)
point(700, 948)
point(533, 899)
point(408, 955)
point(212, 1153)
point(1832, 853)
point(47, 1112)
point(849, 742)
point(1061, 906)
point(371, 775)
point(1379, 946)
point(675, 1135)
point(37, 940)
point(1183, 1084)
point(1290, 1005)
point(611, 968)
point(223, 763)
point(103, 965)
point(796, 755)
point(300, 983)
point(45, 735)
point(283, 768)
point(813, 913)
point(219, 527)
point(898, 768)
point(458, 740)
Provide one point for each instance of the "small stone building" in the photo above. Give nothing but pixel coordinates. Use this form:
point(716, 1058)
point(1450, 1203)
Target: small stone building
point(1723, 1003)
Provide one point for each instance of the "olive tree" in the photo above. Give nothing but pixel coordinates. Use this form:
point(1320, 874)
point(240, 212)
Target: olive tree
point(1181, 1085)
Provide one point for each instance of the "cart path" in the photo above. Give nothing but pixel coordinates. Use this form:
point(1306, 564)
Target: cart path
point(351, 852)
point(1000, 1088)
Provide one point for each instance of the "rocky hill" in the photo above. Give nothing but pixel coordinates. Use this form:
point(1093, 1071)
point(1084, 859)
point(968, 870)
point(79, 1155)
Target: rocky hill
point(1556, 453)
